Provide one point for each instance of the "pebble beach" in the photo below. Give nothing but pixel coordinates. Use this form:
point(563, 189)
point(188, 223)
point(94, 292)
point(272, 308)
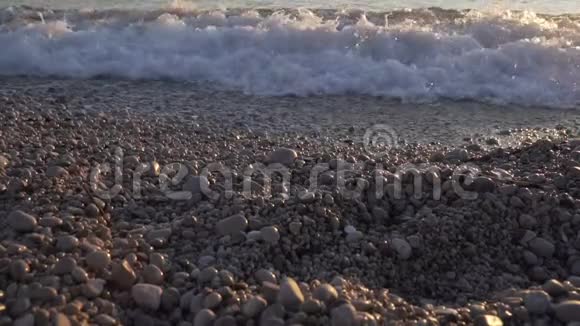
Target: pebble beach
point(130, 203)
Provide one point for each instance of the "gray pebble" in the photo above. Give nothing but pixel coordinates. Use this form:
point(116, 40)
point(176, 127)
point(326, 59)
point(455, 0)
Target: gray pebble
point(147, 296)
point(283, 156)
point(20, 221)
point(232, 224)
point(290, 294)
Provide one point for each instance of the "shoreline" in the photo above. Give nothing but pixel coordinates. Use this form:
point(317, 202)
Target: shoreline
point(306, 253)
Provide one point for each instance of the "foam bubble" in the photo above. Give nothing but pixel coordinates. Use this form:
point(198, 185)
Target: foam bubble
point(415, 56)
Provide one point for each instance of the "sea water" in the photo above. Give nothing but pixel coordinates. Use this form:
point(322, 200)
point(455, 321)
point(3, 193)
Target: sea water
point(526, 53)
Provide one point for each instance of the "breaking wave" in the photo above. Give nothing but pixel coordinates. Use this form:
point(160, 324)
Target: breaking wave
point(418, 55)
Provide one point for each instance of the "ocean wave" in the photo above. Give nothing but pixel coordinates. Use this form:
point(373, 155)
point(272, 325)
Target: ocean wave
point(418, 55)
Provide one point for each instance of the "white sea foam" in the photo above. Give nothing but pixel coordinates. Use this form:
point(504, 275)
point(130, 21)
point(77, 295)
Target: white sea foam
point(416, 56)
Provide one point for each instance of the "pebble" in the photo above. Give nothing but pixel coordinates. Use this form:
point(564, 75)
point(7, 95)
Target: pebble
point(67, 243)
point(537, 302)
point(458, 154)
point(212, 300)
point(105, 320)
point(254, 306)
point(542, 247)
point(98, 260)
point(488, 320)
point(26, 320)
point(152, 274)
point(19, 307)
point(93, 288)
point(290, 295)
point(283, 156)
point(20, 221)
point(56, 172)
point(79, 274)
point(270, 234)
point(147, 296)
point(325, 293)
point(65, 265)
point(92, 210)
point(18, 269)
point(554, 288)
point(204, 317)
point(3, 162)
point(483, 184)
point(403, 248)
point(196, 184)
point(207, 274)
point(123, 274)
point(568, 311)
point(61, 319)
point(344, 315)
point(232, 224)
point(264, 275)
point(527, 222)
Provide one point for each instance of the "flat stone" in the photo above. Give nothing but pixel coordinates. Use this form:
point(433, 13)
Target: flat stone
point(147, 296)
point(290, 294)
point(232, 224)
point(542, 247)
point(283, 156)
point(20, 221)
